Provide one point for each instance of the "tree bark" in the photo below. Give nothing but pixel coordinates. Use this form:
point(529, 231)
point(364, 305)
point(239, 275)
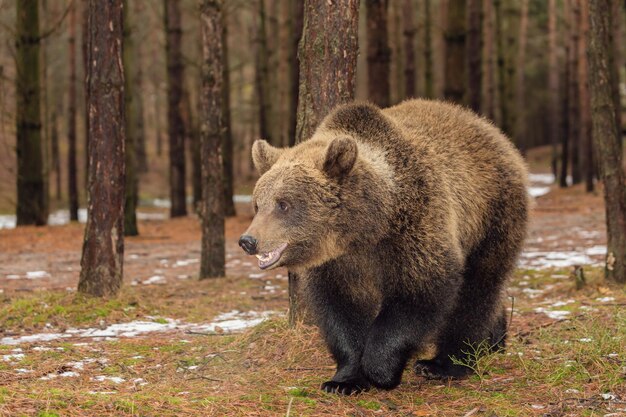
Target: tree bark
point(297, 18)
point(378, 53)
point(511, 16)
point(606, 137)
point(103, 248)
point(574, 112)
point(72, 170)
point(429, 83)
point(213, 255)
point(455, 36)
point(31, 200)
point(409, 49)
point(176, 127)
point(137, 77)
point(55, 154)
point(553, 84)
point(130, 122)
point(520, 88)
point(489, 105)
point(227, 138)
point(585, 142)
point(262, 80)
point(327, 76)
point(474, 54)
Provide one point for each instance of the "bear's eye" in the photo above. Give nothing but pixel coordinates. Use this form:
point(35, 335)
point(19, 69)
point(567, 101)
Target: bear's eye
point(283, 206)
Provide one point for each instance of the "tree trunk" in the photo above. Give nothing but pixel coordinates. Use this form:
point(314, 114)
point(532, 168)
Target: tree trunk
point(55, 154)
point(137, 77)
point(429, 83)
point(227, 140)
point(213, 255)
point(84, 41)
point(262, 79)
point(103, 248)
point(378, 53)
point(327, 76)
point(489, 105)
point(520, 88)
point(130, 123)
point(585, 142)
point(474, 53)
point(511, 20)
point(455, 37)
point(297, 10)
point(565, 120)
point(606, 137)
point(72, 170)
point(176, 127)
point(553, 83)
point(500, 62)
point(574, 112)
point(616, 58)
point(31, 204)
point(409, 50)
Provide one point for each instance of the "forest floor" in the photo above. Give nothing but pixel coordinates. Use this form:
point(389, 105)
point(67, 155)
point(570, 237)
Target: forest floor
point(173, 345)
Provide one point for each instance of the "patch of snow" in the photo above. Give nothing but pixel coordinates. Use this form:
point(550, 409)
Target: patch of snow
point(242, 198)
point(235, 320)
point(541, 178)
point(596, 250)
point(553, 314)
point(608, 396)
point(13, 276)
point(585, 340)
point(114, 379)
point(532, 293)
point(23, 371)
point(140, 381)
point(572, 391)
point(257, 276)
point(37, 275)
point(538, 191)
point(605, 299)
point(538, 406)
point(155, 279)
point(13, 357)
point(542, 260)
point(185, 262)
point(562, 303)
point(101, 392)
point(69, 374)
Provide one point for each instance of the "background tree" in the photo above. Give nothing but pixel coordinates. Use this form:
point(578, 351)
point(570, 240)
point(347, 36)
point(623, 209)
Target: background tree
point(473, 53)
point(227, 139)
point(72, 170)
point(606, 137)
point(378, 52)
point(213, 252)
point(31, 199)
point(327, 75)
point(176, 127)
point(574, 102)
point(520, 79)
point(429, 83)
point(553, 83)
point(295, 26)
point(455, 37)
point(103, 247)
point(132, 182)
point(585, 142)
point(409, 49)
point(262, 79)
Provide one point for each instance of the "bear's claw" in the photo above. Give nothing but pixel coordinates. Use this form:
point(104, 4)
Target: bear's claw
point(345, 388)
point(431, 369)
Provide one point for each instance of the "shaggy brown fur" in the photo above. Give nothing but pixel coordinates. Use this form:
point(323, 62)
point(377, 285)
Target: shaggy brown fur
point(404, 224)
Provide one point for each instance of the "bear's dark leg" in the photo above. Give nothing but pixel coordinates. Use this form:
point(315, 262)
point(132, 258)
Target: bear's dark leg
point(344, 324)
point(401, 328)
point(478, 323)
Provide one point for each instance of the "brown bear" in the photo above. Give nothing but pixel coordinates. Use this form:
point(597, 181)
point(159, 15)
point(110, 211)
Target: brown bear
point(403, 225)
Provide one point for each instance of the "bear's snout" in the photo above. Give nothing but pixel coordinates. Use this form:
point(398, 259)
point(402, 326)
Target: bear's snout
point(249, 244)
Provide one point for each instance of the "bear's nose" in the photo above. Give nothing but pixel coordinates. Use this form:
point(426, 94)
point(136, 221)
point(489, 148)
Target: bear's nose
point(248, 243)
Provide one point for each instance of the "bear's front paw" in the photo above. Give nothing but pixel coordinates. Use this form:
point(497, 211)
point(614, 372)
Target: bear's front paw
point(346, 387)
point(433, 369)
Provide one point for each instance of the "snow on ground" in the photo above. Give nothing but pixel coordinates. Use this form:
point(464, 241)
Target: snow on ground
point(531, 259)
point(232, 322)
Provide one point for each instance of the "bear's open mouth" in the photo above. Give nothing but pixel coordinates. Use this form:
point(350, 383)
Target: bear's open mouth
point(270, 258)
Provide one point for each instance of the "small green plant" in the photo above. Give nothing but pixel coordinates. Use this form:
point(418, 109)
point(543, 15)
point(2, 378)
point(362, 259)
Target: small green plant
point(479, 358)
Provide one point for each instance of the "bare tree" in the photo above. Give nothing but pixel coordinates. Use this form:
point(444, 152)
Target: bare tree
point(176, 126)
point(103, 248)
point(574, 102)
point(409, 49)
point(455, 37)
point(328, 52)
point(473, 53)
point(212, 212)
point(520, 80)
point(585, 142)
point(606, 137)
point(429, 87)
point(132, 180)
point(227, 140)
point(553, 83)
point(72, 174)
point(489, 104)
point(295, 27)
point(262, 78)
point(31, 198)
point(378, 52)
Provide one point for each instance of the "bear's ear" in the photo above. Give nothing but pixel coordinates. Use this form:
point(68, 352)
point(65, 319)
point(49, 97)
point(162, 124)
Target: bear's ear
point(264, 155)
point(340, 157)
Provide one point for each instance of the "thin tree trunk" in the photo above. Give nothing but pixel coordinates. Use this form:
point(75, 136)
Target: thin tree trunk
point(455, 35)
point(500, 63)
point(511, 16)
point(574, 113)
point(409, 49)
point(72, 170)
point(520, 87)
point(195, 145)
point(137, 76)
point(103, 248)
point(489, 105)
point(378, 53)
point(586, 148)
point(565, 120)
point(227, 139)
point(429, 87)
point(176, 127)
point(45, 143)
point(55, 154)
point(213, 255)
point(553, 84)
point(327, 76)
point(474, 53)
point(606, 137)
point(84, 41)
point(262, 77)
point(31, 204)
point(297, 10)
point(130, 122)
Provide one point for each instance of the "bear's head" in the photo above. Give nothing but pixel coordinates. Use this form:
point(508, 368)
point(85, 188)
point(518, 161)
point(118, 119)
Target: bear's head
point(312, 203)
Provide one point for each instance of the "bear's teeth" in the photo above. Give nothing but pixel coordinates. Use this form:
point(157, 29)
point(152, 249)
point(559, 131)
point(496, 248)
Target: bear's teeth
point(259, 256)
